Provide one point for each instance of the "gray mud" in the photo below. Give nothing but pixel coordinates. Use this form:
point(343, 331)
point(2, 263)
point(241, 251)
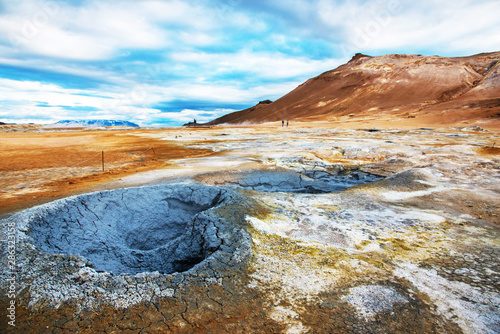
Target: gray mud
point(131, 230)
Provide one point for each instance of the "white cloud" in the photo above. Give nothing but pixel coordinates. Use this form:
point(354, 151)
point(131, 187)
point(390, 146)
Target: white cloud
point(263, 65)
point(435, 26)
point(49, 103)
point(218, 93)
point(149, 96)
point(395, 25)
point(52, 94)
point(180, 13)
point(197, 38)
point(58, 43)
point(97, 31)
point(93, 73)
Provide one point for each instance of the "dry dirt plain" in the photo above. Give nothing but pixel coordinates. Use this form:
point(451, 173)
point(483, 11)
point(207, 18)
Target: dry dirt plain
point(39, 165)
point(306, 229)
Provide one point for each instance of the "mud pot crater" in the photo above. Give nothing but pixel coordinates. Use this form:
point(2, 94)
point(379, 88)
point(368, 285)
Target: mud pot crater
point(277, 179)
point(147, 229)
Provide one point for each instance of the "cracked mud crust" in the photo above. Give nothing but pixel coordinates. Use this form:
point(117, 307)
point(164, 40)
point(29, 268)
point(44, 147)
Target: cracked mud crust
point(253, 250)
point(76, 253)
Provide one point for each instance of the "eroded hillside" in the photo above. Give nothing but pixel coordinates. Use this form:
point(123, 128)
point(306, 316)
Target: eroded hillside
point(436, 90)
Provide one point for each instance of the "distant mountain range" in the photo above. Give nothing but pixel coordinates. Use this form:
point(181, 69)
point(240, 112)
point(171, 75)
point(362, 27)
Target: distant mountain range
point(432, 89)
point(95, 123)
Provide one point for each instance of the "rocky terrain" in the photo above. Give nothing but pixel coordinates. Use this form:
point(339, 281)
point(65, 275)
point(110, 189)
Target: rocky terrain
point(285, 230)
point(408, 89)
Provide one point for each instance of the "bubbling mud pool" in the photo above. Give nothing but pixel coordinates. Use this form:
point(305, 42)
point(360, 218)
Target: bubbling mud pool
point(164, 229)
point(290, 181)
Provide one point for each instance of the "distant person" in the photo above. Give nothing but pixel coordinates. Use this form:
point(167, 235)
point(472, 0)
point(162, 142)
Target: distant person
point(287, 124)
point(194, 121)
point(282, 123)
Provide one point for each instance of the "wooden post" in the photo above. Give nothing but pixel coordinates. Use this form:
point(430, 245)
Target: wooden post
point(102, 155)
point(153, 150)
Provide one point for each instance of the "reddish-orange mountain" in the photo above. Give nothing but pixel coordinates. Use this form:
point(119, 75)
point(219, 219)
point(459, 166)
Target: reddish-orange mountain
point(432, 89)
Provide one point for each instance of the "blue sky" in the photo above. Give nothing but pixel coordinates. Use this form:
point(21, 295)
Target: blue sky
point(163, 63)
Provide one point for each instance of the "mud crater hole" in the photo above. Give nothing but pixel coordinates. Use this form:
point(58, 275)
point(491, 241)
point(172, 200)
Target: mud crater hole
point(164, 229)
point(286, 180)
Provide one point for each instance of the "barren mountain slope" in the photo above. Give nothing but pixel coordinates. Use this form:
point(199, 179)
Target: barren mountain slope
point(393, 85)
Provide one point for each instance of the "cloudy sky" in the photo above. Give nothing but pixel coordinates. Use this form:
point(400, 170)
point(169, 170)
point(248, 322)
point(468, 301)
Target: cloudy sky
point(162, 62)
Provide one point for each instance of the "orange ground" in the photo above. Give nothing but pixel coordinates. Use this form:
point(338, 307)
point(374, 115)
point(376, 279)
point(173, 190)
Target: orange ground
point(37, 167)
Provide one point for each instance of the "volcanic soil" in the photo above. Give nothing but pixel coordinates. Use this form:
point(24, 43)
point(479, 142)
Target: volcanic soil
point(38, 165)
point(315, 227)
